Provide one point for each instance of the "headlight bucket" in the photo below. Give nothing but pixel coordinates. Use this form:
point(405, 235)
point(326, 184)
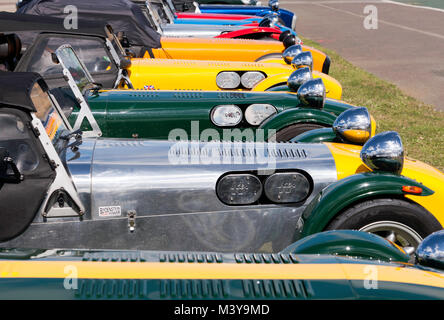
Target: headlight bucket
point(354, 125)
point(384, 153)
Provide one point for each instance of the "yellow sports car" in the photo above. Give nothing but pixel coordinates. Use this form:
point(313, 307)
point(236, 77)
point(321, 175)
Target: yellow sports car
point(165, 74)
point(231, 50)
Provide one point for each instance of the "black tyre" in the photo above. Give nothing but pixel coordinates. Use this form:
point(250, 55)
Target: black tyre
point(288, 133)
point(399, 221)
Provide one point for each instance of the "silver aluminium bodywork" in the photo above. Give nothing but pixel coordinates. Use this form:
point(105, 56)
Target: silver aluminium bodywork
point(174, 206)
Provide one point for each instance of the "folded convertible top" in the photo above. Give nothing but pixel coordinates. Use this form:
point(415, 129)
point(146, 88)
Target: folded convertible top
point(122, 15)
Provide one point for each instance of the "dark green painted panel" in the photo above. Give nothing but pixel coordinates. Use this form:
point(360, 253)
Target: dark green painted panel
point(119, 289)
point(348, 191)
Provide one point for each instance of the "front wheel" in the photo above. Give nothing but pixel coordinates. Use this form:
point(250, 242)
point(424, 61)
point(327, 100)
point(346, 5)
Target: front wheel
point(288, 133)
point(399, 221)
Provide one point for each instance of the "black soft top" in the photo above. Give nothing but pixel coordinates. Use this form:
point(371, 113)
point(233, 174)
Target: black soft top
point(27, 27)
point(16, 88)
point(122, 15)
point(16, 22)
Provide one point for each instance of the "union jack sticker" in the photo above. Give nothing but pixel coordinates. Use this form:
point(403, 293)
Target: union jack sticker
point(148, 87)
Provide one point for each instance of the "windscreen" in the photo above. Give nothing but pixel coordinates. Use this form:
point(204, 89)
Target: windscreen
point(48, 114)
point(70, 61)
point(80, 81)
point(114, 41)
point(91, 50)
point(160, 10)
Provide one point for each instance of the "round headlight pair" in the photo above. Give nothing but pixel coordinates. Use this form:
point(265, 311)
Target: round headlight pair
point(245, 188)
point(231, 115)
point(233, 80)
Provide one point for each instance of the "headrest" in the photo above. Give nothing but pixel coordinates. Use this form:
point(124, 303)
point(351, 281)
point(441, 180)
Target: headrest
point(10, 47)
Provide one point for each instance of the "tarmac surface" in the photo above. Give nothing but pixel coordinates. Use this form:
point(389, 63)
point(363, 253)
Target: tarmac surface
point(407, 48)
point(7, 5)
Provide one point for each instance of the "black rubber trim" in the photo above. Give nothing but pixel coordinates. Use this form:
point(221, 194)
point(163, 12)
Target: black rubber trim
point(326, 66)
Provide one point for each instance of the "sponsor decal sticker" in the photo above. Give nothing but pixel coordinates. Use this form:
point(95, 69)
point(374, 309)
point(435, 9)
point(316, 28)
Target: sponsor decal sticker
point(110, 211)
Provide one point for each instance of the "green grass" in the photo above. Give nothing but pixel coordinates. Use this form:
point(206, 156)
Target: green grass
point(421, 127)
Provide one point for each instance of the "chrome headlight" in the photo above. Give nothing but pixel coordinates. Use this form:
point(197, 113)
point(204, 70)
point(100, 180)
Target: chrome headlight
point(298, 78)
point(257, 113)
point(290, 40)
point(354, 125)
point(312, 93)
point(430, 252)
point(274, 5)
point(269, 21)
point(384, 152)
point(304, 59)
point(226, 115)
point(228, 80)
point(291, 52)
point(251, 78)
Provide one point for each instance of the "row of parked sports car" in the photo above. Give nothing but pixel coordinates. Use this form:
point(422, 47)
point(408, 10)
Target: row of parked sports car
point(203, 147)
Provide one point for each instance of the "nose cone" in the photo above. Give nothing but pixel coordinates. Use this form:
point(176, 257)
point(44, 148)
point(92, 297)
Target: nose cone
point(384, 152)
